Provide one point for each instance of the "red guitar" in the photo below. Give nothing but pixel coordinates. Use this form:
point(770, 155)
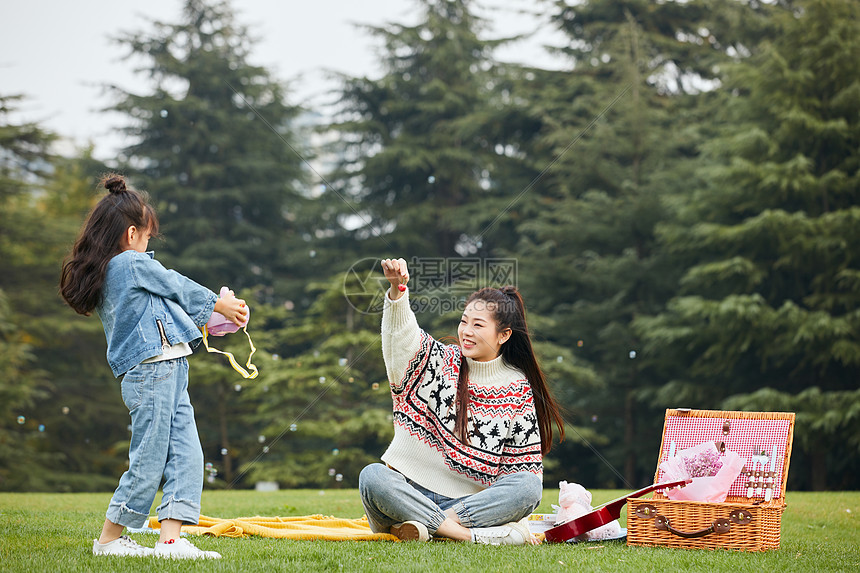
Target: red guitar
point(606, 513)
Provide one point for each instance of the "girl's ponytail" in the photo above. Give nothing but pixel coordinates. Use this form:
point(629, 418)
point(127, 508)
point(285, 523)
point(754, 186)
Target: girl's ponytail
point(85, 268)
point(114, 183)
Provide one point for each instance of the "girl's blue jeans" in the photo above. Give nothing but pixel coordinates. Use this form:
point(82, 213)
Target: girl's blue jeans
point(164, 443)
point(389, 497)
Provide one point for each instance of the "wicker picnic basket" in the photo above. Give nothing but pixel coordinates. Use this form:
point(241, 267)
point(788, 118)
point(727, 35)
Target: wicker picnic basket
point(741, 522)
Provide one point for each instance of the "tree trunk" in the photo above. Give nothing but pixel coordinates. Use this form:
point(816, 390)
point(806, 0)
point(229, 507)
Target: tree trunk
point(225, 439)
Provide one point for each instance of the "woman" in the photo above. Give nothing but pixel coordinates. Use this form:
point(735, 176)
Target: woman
point(471, 423)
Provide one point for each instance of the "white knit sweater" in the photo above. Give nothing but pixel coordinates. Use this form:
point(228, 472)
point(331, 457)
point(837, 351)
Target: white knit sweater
point(422, 373)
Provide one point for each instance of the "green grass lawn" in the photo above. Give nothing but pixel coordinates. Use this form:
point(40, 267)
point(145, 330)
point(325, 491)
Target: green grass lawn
point(54, 532)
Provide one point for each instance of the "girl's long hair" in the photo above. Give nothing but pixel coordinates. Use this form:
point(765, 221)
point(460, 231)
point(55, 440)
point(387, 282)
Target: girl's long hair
point(510, 312)
point(85, 268)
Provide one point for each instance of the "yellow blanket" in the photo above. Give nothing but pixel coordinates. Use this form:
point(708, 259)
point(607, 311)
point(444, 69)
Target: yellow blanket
point(302, 527)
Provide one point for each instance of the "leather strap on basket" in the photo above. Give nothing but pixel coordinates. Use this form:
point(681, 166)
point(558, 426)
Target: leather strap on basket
point(718, 527)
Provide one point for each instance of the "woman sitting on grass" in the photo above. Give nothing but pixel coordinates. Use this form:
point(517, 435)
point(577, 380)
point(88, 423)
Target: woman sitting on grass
point(471, 423)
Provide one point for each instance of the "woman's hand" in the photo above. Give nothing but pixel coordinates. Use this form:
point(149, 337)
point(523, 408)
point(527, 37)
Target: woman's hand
point(233, 309)
point(397, 274)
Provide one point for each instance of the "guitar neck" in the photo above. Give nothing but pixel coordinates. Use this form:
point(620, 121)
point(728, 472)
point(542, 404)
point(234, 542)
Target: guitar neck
point(639, 493)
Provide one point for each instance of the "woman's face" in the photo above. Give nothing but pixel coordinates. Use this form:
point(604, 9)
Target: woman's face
point(478, 332)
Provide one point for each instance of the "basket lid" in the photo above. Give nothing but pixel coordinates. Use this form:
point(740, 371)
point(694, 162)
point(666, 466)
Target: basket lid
point(746, 433)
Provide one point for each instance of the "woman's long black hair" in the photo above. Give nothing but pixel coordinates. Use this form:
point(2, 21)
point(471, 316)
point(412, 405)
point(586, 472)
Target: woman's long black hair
point(510, 312)
point(85, 268)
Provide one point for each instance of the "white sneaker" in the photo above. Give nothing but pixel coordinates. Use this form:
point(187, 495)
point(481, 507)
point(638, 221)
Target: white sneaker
point(410, 531)
point(183, 549)
point(121, 546)
point(513, 533)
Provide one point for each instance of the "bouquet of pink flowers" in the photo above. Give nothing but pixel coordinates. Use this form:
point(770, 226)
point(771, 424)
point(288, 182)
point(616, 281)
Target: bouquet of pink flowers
point(705, 463)
point(712, 474)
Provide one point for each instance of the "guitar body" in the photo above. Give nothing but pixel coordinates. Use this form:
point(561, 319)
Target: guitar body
point(607, 513)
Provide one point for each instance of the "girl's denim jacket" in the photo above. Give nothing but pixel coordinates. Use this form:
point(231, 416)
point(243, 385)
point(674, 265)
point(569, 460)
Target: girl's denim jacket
point(146, 307)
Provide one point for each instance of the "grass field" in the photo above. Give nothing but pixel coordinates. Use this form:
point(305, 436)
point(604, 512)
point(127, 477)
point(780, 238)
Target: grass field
point(54, 532)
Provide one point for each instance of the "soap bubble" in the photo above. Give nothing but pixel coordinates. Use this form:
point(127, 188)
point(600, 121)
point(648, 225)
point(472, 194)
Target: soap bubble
point(163, 113)
point(332, 471)
point(338, 477)
point(208, 466)
point(335, 452)
point(322, 379)
point(594, 418)
point(275, 357)
point(21, 419)
point(238, 387)
point(341, 361)
point(211, 479)
point(223, 451)
point(293, 427)
point(579, 343)
point(375, 386)
point(431, 179)
point(265, 449)
point(632, 354)
point(559, 359)
point(41, 427)
point(351, 379)
point(261, 438)
point(65, 410)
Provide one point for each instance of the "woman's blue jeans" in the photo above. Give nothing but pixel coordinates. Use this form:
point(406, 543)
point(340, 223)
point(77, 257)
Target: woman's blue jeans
point(164, 443)
point(389, 498)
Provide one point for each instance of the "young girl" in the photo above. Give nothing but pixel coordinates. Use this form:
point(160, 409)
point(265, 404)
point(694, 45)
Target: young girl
point(150, 315)
point(471, 423)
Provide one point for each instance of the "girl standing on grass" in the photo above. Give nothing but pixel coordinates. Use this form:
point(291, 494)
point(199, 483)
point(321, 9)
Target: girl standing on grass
point(150, 315)
point(471, 423)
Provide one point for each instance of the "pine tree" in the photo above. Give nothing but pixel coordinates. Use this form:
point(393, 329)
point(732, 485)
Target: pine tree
point(770, 297)
point(323, 404)
point(214, 150)
point(425, 160)
point(616, 146)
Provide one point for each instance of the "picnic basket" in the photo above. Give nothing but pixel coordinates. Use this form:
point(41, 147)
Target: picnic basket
point(741, 522)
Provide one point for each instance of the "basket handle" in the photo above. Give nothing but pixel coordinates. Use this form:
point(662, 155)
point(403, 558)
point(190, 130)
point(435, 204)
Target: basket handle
point(661, 522)
point(718, 527)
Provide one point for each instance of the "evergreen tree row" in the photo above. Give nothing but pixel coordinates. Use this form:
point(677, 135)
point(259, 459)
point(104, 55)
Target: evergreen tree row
point(678, 204)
